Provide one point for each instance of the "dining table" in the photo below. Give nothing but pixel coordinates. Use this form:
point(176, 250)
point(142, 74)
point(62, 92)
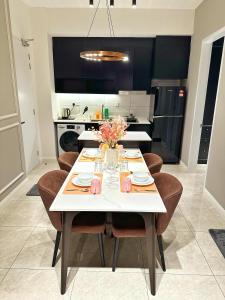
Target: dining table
point(110, 200)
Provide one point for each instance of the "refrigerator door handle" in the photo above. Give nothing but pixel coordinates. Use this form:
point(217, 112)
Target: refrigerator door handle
point(166, 116)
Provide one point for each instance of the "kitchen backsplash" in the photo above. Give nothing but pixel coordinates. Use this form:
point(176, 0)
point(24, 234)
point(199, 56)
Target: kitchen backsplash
point(121, 105)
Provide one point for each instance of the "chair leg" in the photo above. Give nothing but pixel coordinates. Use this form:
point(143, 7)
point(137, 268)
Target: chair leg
point(57, 241)
point(160, 243)
point(101, 249)
point(115, 254)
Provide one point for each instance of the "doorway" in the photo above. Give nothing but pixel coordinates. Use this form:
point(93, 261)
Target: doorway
point(26, 104)
point(210, 100)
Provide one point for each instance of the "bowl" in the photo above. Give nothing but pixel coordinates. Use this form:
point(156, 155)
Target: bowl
point(140, 176)
point(85, 177)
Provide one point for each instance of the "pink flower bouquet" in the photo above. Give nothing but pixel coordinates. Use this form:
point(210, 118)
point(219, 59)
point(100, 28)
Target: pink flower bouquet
point(110, 132)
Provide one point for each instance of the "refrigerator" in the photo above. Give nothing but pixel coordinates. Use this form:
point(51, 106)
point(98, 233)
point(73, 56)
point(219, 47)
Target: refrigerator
point(167, 122)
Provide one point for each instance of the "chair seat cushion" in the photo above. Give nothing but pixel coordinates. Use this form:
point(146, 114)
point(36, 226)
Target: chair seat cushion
point(86, 222)
point(128, 225)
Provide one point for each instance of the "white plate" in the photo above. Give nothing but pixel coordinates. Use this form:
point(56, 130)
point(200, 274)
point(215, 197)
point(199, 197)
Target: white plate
point(150, 180)
point(90, 153)
point(77, 182)
point(132, 154)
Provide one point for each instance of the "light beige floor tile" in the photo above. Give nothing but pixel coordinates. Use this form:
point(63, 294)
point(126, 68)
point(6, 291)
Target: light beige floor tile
point(178, 222)
point(44, 221)
point(182, 254)
point(21, 213)
point(221, 282)
point(186, 287)
point(38, 251)
point(12, 240)
point(32, 285)
point(109, 285)
point(211, 252)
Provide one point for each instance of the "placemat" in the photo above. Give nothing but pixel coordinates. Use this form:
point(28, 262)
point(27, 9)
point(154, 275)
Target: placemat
point(137, 188)
point(72, 189)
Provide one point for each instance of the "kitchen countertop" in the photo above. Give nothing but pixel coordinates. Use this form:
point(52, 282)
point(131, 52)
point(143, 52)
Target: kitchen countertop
point(131, 136)
point(77, 121)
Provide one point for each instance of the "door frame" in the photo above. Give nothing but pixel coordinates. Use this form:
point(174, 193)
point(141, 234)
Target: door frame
point(200, 98)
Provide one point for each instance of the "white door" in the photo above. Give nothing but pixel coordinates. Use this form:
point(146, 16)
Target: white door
point(26, 104)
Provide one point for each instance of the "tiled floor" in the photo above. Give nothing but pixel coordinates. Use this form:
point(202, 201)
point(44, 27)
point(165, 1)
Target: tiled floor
point(195, 267)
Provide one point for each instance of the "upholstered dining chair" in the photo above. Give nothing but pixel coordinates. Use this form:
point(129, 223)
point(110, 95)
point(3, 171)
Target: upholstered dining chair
point(85, 222)
point(132, 224)
point(153, 161)
point(67, 160)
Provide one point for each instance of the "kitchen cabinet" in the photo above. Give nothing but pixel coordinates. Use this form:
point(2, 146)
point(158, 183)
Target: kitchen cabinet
point(171, 57)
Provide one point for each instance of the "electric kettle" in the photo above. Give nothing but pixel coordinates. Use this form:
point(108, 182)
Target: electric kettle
point(66, 113)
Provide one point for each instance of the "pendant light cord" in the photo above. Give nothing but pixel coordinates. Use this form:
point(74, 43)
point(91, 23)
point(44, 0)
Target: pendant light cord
point(93, 19)
point(110, 23)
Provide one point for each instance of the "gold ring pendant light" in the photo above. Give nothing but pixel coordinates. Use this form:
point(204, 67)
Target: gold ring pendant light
point(102, 55)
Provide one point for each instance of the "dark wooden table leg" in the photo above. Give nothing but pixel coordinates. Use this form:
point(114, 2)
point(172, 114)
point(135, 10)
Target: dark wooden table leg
point(149, 219)
point(67, 220)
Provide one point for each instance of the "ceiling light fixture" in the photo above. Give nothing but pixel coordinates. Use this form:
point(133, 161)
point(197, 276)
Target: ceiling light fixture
point(91, 3)
point(102, 55)
point(134, 3)
point(111, 3)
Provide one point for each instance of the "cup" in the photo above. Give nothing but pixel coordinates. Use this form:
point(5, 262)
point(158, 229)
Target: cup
point(126, 185)
point(124, 166)
point(95, 186)
point(98, 166)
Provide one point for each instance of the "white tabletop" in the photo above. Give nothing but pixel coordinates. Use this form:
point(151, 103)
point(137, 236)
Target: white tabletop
point(138, 136)
point(111, 198)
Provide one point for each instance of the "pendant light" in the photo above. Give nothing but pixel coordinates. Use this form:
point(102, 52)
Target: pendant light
point(103, 55)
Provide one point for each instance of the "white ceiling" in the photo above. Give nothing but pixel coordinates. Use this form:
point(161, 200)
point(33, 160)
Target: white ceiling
point(160, 4)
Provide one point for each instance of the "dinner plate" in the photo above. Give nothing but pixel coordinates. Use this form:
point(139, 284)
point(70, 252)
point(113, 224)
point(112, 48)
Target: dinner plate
point(148, 181)
point(90, 153)
point(132, 154)
point(77, 182)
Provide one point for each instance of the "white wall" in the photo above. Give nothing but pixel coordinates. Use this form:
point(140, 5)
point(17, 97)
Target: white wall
point(20, 18)
point(75, 22)
point(206, 25)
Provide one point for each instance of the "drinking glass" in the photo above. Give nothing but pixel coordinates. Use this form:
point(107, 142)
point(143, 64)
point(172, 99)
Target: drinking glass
point(98, 166)
point(124, 166)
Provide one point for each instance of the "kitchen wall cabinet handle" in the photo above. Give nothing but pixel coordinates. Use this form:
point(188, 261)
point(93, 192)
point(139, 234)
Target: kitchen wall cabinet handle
point(22, 122)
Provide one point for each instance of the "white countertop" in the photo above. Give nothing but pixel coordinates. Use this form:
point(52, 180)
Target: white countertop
point(110, 199)
point(140, 121)
point(131, 136)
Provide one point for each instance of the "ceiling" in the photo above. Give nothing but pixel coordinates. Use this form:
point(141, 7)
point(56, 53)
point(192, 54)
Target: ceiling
point(154, 4)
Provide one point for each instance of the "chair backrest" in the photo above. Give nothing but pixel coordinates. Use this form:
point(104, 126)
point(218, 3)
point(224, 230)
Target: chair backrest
point(49, 185)
point(66, 160)
point(154, 162)
point(170, 190)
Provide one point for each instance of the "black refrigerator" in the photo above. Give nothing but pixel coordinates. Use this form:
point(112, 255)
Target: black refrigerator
point(167, 122)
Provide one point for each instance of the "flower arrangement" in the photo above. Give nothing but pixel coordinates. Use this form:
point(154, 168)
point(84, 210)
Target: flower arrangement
point(110, 132)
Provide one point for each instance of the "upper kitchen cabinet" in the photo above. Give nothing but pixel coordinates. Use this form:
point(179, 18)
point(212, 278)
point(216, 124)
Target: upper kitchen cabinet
point(171, 57)
point(76, 75)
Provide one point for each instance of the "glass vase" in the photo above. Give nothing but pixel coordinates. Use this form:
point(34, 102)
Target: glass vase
point(111, 158)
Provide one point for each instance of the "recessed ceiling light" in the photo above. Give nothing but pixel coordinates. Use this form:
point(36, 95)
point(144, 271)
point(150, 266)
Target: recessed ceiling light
point(134, 3)
point(91, 3)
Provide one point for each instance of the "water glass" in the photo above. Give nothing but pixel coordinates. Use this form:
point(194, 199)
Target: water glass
point(98, 166)
point(124, 166)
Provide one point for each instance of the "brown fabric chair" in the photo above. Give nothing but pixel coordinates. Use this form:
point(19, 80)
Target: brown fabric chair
point(154, 162)
point(132, 224)
point(67, 160)
point(93, 223)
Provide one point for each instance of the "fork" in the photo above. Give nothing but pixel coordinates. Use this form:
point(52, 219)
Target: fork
point(80, 190)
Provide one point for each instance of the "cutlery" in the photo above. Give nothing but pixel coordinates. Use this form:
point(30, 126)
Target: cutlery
point(80, 190)
point(147, 190)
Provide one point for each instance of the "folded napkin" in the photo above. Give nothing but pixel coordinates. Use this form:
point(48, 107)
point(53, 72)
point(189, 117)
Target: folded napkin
point(137, 188)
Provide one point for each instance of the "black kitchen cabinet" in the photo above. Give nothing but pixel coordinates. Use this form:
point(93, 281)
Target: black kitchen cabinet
point(171, 57)
point(76, 75)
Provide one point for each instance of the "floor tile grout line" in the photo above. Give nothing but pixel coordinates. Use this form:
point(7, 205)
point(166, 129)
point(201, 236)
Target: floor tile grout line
point(219, 286)
point(210, 267)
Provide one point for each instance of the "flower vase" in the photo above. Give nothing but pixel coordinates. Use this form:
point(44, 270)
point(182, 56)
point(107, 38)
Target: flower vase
point(111, 158)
